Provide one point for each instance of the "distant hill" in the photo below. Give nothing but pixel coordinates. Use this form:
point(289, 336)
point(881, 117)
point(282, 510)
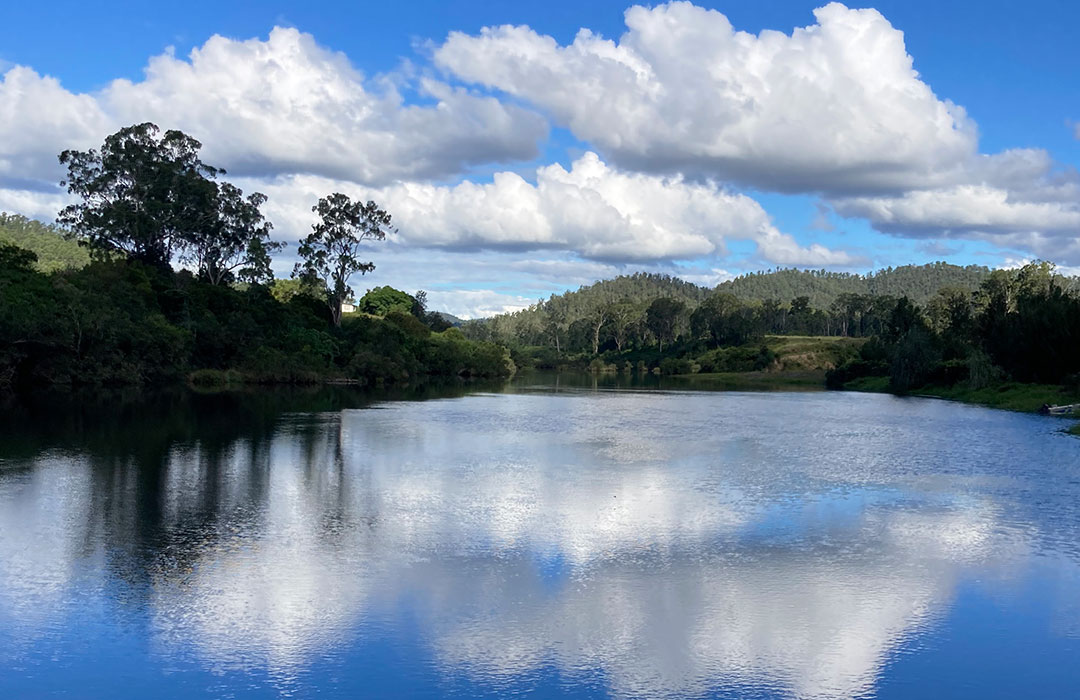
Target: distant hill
point(53, 250)
point(917, 282)
point(449, 318)
point(581, 320)
point(643, 286)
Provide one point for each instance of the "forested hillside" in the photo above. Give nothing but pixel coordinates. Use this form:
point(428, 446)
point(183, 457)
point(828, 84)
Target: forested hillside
point(647, 309)
point(919, 283)
point(53, 251)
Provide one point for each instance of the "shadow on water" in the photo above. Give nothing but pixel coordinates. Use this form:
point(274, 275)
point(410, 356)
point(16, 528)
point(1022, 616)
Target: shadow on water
point(144, 424)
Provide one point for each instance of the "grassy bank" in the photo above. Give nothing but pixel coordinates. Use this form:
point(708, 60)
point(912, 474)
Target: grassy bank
point(1011, 396)
point(1008, 396)
point(808, 353)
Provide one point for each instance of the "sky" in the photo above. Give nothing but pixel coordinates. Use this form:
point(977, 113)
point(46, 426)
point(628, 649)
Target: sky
point(524, 149)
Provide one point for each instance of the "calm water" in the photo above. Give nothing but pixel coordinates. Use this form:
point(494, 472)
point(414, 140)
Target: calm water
point(578, 542)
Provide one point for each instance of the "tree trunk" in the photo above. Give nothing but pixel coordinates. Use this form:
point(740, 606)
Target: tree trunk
point(335, 312)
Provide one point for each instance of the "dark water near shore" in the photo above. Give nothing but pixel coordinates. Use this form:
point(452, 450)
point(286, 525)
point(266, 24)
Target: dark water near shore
point(573, 540)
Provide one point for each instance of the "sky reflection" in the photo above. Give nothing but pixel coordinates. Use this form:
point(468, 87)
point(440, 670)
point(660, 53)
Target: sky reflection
point(668, 545)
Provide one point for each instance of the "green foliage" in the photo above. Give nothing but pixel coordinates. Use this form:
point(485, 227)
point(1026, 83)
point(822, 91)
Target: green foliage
point(737, 359)
point(1021, 325)
point(235, 244)
point(122, 322)
point(382, 300)
point(288, 289)
point(663, 316)
point(677, 365)
point(141, 195)
point(53, 250)
point(612, 315)
point(331, 252)
point(151, 199)
point(823, 288)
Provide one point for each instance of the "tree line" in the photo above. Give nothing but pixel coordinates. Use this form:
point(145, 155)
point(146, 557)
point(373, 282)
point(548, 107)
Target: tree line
point(124, 315)
point(1021, 324)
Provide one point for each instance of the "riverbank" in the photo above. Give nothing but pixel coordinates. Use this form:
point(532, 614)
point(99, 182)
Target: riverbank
point(805, 380)
point(1008, 396)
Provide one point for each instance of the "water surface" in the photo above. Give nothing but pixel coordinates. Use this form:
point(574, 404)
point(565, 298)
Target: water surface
point(538, 540)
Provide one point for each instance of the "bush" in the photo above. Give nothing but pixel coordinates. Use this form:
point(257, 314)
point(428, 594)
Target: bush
point(678, 365)
point(598, 366)
point(855, 369)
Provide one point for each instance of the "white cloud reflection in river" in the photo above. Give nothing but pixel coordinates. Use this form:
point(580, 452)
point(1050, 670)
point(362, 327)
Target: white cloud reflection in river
point(673, 555)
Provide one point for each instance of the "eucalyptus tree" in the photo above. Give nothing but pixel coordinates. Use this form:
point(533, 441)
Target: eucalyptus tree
point(150, 198)
point(142, 196)
point(663, 317)
point(235, 244)
point(331, 252)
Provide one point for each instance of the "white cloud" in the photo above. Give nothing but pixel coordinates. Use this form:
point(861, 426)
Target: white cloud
point(836, 106)
point(711, 278)
point(32, 203)
point(1016, 198)
point(962, 209)
point(593, 210)
point(263, 107)
point(286, 104)
point(476, 303)
point(38, 119)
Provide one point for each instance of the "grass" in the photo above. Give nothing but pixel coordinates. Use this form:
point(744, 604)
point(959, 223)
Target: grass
point(1010, 396)
point(812, 353)
point(1075, 430)
point(802, 378)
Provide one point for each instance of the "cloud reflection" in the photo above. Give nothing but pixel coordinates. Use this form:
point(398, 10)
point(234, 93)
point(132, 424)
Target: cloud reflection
point(673, 557)
point(568, 545)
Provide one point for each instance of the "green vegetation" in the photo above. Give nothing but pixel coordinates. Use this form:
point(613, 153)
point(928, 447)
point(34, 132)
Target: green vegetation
point(919, 283)
point(46, 242)
point(124, 322)
point(1006, 338)
point(1012, 344)
point(1010, 396)
point(123, 315)
point(330, 252)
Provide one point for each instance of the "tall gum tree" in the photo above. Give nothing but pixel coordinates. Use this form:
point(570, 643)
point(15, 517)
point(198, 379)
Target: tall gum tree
point(331, 252)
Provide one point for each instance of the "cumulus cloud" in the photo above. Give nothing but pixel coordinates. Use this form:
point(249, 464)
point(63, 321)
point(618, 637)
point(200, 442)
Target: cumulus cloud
point(835, 106)
point(1016, 198)
point(38, 119)
point(962, 209)
point(33, 203)
point(596, 211)
point(264, 107)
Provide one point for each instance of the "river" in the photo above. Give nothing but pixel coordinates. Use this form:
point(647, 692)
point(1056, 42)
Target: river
point(539, 539)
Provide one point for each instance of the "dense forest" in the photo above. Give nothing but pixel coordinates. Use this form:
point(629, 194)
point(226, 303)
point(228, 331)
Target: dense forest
point(976, 326)
point(919, 283)
point(96, 300)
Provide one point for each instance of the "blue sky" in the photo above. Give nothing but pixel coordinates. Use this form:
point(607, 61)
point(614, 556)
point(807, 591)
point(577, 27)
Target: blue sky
point(524, 162)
